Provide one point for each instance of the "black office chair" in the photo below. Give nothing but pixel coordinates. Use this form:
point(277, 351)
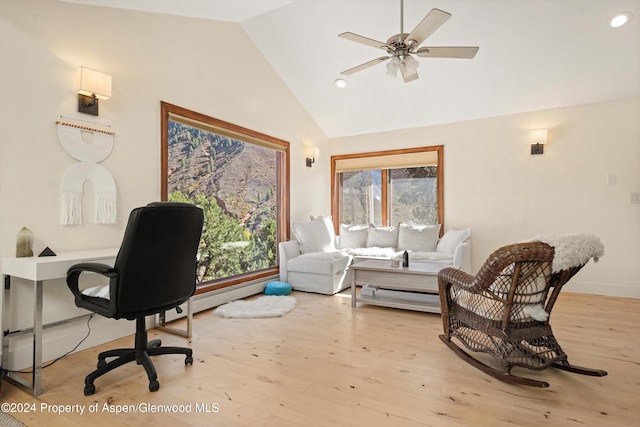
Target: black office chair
point(155, 271)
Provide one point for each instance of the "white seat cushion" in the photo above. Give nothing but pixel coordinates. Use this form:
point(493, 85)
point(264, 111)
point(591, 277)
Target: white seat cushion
point(374, 252)
point(525, 307)
point(97, 292)
point(327, 263)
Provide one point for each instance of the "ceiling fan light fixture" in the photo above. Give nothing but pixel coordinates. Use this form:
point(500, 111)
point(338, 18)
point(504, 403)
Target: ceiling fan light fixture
point(411, 64)
point(620, 19)
point(407, 74)
point(393, 66)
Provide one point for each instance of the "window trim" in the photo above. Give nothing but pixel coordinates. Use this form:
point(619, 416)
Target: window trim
point(167, 112)
point(336, 185)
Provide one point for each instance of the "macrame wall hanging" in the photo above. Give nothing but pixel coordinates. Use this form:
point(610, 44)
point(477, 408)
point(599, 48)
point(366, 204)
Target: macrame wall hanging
point(89, 154)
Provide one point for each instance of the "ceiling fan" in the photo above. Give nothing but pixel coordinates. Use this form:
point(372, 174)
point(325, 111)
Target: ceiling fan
point(402, 46)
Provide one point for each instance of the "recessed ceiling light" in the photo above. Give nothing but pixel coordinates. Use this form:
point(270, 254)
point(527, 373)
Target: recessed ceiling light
point(340, 83)
point(620, 19)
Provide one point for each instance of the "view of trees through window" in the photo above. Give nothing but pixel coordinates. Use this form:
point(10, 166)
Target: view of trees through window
point(235, 183)
point(411, 196)
point(362, 197)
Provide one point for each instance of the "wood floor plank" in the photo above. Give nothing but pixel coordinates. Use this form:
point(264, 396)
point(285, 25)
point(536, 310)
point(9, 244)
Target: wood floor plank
point(325, 363)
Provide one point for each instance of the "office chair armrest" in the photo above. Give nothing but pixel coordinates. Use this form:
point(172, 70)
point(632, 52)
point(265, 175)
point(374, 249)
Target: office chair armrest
point(73, 274)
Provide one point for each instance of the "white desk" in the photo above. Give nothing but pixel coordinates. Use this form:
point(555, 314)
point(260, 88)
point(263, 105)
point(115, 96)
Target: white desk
point(39, 269)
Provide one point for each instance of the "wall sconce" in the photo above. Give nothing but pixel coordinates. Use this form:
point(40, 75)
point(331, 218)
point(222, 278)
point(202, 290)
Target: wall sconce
point(537, 139)
point(94, 85)
point(311, 154)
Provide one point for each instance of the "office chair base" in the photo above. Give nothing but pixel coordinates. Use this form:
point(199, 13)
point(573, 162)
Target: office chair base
point(141, 354)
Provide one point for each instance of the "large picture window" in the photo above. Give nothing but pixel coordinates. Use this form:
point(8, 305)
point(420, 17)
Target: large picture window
point(239, 178)
point(389, 187)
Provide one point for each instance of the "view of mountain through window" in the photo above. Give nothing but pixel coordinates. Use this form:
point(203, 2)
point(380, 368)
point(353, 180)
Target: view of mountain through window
point(411, 196)
point(362, 197)
point(383, 188)
point(235, 183)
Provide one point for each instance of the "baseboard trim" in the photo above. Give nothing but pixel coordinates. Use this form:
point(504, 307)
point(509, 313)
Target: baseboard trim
point(213, 299)
point(604, 289)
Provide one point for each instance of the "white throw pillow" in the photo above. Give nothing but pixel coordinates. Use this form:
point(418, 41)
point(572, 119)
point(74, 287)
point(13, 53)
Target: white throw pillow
point(452, 239)
point(353, 236)
point(382, 237)
point(328, 222)
point(418, 238)
point(313, 236)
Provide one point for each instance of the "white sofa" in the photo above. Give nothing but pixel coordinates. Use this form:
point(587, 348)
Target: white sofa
point(318, 260)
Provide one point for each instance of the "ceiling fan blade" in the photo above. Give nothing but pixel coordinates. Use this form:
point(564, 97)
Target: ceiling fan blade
point(429, 24)
point(365, 65)
point(466, 52)
point(363, 40)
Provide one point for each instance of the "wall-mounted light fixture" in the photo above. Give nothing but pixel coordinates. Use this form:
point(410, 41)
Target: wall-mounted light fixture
point(93, 85)
point(311, 154)
point(537, 139)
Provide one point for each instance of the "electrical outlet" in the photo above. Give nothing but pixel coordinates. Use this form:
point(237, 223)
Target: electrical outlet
point(635, 197)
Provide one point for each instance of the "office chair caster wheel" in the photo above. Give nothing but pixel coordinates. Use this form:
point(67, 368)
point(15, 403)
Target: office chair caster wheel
point(188, 360)
point(154, 385)
point(89, 389)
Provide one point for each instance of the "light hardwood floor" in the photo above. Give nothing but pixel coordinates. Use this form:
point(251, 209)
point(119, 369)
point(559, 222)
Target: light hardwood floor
point(326, 364)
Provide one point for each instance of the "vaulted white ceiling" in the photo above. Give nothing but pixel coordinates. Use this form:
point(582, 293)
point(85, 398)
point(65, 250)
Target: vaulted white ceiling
point(534, 54)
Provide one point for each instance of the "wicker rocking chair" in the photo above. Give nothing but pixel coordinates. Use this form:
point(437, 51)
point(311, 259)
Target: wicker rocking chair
point(504, 309)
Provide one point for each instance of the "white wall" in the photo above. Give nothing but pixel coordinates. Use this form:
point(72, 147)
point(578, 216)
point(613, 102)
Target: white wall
point(207, 66)
point(493, 185)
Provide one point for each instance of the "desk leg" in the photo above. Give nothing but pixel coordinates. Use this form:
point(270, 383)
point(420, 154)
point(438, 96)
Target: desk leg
point(353, 287)
point(184, 333)
point(37, 339)
point(4, 363)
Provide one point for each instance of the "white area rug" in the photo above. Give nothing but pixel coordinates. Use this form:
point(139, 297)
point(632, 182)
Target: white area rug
point(265, 306)
point(7, 420)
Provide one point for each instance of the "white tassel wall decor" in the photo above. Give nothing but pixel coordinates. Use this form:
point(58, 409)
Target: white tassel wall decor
point(105, 193)
point(87, 169)
point(71, 212)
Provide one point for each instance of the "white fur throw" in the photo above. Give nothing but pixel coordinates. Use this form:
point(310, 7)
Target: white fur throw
point(535, 311)
point(572, 250)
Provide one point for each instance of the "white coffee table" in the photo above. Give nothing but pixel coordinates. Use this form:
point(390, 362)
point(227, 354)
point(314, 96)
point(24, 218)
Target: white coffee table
point(419, 280)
